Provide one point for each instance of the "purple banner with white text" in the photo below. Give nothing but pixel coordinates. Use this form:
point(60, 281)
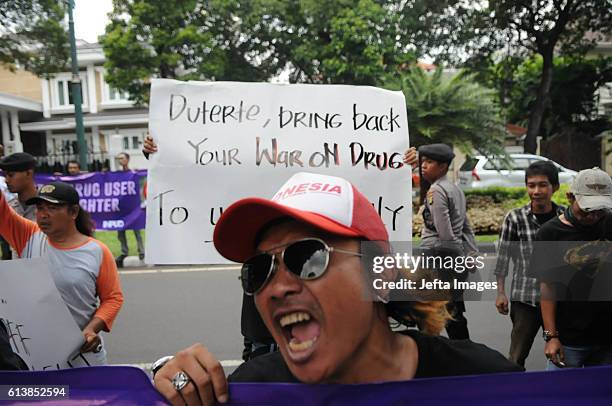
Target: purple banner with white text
point(115, 200)
point(130, 386)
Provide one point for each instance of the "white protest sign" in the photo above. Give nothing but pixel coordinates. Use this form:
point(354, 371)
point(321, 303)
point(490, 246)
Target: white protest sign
point(41, 330)
point(223, 141)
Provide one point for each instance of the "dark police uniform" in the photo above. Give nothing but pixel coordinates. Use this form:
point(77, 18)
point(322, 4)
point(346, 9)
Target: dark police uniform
point(18, 162)
point(9, 361)
point(446, 230)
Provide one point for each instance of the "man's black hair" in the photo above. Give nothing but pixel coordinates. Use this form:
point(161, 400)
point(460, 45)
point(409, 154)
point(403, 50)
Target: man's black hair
point(544, 168)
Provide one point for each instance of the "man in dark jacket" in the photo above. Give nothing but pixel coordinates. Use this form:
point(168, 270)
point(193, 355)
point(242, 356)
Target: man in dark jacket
point(9, 361)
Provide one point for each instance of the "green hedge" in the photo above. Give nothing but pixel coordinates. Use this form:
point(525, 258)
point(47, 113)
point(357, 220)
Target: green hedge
point(511, 197)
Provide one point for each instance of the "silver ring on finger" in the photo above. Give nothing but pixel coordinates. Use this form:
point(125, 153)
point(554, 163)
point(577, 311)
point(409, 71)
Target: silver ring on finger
point(180, 380)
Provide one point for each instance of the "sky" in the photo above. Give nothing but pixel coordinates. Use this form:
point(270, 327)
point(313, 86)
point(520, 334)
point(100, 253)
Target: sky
point(90, 18)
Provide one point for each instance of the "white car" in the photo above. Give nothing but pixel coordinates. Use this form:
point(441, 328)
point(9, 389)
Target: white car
point(481, 172)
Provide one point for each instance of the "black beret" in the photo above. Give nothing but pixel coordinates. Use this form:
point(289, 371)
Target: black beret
point(437, 152)
point(18, 162)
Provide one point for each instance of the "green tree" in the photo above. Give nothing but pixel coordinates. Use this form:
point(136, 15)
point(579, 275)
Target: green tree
point(33, 36)
point(573, 98)
point(523, 28)
point(452, 109)
point(340, 41)
point(189, 40)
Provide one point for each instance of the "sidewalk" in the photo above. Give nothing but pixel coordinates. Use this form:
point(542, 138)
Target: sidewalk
point(133, 263)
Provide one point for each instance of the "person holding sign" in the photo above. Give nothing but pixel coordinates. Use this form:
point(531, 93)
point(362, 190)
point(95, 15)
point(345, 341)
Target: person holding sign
point(302, 262)
point(82, 267)
point(446, 231)
point(257, 338)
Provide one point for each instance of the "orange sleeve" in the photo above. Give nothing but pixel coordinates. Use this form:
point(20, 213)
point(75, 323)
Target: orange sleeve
point(109, 289)
point(15, 229)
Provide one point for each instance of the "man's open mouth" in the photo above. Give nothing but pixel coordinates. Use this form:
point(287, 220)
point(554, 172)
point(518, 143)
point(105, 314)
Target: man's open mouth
point(301, 331)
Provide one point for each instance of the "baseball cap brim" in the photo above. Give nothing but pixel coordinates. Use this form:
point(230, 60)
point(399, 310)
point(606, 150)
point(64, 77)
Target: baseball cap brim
point(237, 228)
point(36, 199)
point(591, 203)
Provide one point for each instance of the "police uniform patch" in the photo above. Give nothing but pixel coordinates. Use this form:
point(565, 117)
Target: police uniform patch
point(430, 197)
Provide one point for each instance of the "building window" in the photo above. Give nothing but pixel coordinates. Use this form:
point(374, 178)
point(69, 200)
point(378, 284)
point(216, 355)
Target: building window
point(116, 95)
point(64, 92)
point(135, 142)
point(112, 98)
point(61, 94)
point(126, 143)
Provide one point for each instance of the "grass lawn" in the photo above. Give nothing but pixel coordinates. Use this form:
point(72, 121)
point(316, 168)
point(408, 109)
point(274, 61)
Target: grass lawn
point(487, 238)
point(112, 242)
point(110, 239)
point(479, 238)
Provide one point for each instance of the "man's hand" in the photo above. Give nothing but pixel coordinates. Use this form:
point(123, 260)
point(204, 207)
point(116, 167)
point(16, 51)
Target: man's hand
point(411, 158)
point(501, 303)
point(207, 383)
point(92, 341)
point(149, 147)
point(554, 352)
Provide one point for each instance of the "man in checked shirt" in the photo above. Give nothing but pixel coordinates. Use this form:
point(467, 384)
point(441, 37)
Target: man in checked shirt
point(515, 245)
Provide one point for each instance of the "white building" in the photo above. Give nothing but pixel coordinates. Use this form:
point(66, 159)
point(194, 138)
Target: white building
point(37, 115)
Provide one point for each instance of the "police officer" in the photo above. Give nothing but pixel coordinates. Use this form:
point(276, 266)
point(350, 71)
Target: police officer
point(19, 175)
point(446, 230)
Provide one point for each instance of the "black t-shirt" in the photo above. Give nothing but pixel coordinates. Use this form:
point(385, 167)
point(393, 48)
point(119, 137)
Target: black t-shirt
point(544, 217)
point(577, 263)
point(438, 356)
point(9, 361)
point(252, 326)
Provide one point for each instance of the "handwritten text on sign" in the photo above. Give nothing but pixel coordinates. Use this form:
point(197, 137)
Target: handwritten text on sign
point(219, 142)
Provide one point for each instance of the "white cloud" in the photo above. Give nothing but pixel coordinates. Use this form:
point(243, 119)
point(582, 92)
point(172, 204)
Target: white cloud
point(90, 18)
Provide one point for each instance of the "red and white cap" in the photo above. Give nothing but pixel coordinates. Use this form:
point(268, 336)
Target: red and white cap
point(329, 203)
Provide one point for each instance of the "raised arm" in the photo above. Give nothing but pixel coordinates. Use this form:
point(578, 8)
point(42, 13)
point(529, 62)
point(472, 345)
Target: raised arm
point(15, 229)
point(149, 147)
point(504, 257)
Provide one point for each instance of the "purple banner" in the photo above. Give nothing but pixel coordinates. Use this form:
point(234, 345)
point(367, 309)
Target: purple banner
point(115, 200)
point(87, 386)
point(130, 386)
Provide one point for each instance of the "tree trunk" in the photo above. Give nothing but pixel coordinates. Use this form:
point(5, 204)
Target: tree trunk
point(537, 112)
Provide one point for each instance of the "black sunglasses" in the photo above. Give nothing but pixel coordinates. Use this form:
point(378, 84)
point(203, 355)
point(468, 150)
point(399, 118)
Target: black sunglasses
point(307, 259)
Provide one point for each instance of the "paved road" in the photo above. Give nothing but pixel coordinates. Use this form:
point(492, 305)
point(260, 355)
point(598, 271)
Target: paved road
point(169, 309)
